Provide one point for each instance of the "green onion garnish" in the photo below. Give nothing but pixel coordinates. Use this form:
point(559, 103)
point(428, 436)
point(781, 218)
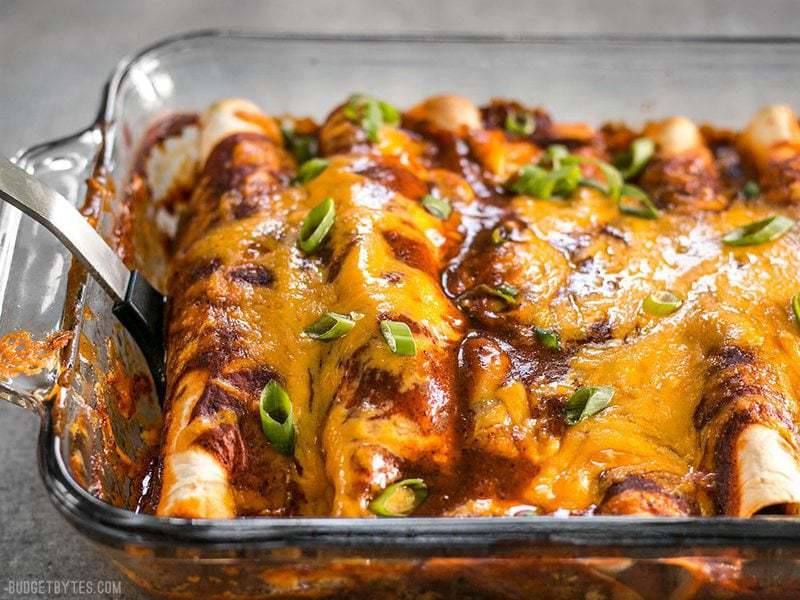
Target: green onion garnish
point(759, 232)
point(613, 180)
point(438, 207)
point(332, 325)
point(499, 235)
point(504, 292)
point(303, 147)
point(371, 121)
point(310, 169)
point(661, 303)
point(371, 113)
point(509, 230)
point(398, 336)
point(391, 116)
point(646, 208)
point(751, 189)
point(567, 180)
point(548, 338)
point(507, 292)
point(613, 185)
point(530, 180)
point(796, 307)
point(556, 153)
point(316, 226)
point(276, 417)
point(633, 160)
point(565, 177)
point(400, 499)
point(520, 123)
point(533, 180)
point(587, 401)
point(594, 184)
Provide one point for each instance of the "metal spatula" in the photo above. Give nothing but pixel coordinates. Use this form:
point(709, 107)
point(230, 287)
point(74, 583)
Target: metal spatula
point(137, 304)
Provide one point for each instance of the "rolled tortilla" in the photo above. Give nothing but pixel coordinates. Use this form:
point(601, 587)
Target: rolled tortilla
point(490, 426)
point(748, 438)
point(240, 168)
point(772, 141)
point(644, 495)
point(229, 275)
point(388, 417)
point(451, 113)
point(767, 471)
point(682, 175)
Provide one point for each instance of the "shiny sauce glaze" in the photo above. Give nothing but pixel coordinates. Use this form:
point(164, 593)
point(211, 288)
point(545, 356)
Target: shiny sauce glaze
point(480, 413)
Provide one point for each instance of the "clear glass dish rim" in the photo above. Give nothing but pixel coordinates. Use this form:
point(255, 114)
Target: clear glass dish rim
point(459, 536)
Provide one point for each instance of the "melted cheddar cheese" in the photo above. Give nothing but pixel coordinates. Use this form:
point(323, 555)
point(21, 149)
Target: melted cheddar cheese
point(703, 397)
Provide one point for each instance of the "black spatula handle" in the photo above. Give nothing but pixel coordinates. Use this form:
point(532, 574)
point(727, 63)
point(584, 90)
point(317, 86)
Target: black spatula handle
point(142, 314)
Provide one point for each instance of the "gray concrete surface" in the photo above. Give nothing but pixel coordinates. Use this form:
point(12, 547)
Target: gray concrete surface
point(55, 55)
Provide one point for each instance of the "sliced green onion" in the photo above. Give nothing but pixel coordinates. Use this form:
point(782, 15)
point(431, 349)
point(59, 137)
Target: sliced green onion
point(507, 292)
point(796, 307)
point(400, 499)
point(371, 113)
point(751, 189)
point(759, 232)
point(352, 110)
point(633, 160)
point(504, 292)
point(613, 185)
point(438, 207)
point(529, 180)
point(510, 230)
point(520, 123)
point(556, 153)
point(565, 177)
point(567, 180)
point(372, 120)
point(391, 116)
point(587, 401)
point(398, 336)
point(316, 226)
point(594, 184)
point(499, 236)
point(661, 303)
point(303, 147)
point(533, 180)
point(277, 422)
point(332, 325)
point(548, 338)
point(541, 186)
point(613, 179)
point(646, 208)
point(310, 169)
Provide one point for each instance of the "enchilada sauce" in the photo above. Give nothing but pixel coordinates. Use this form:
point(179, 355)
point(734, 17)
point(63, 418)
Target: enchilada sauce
point(482, 412)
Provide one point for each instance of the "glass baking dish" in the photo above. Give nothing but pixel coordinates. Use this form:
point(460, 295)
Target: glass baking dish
point(92, 440)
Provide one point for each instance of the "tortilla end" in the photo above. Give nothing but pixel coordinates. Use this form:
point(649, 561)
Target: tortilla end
point(767, 471)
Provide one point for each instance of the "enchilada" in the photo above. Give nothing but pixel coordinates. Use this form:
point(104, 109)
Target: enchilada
point(456, 310)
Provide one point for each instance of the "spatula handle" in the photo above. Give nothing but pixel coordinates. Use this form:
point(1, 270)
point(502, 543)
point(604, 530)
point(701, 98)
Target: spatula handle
point(137, 304)
point(63, 220)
